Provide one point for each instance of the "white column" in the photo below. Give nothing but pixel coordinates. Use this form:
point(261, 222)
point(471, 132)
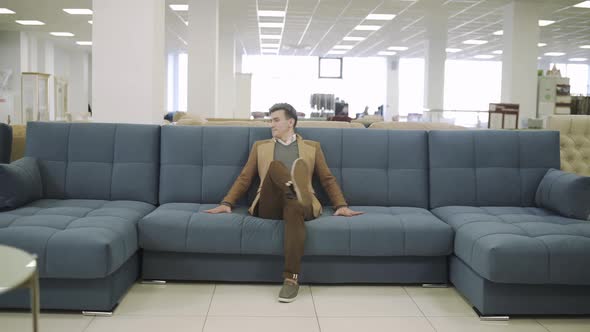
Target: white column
point(78, 85)
point(203, 32)
point(49, 68)
point(435, 55)
point(519, 59)
point(239, 58)
point(226, 84)
point(243, 95)
point(392, 102)
point(128, 61)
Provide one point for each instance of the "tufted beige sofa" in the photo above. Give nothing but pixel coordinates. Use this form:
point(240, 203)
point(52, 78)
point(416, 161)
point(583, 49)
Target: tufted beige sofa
point(195, 120)
point(574, 141)
point(414, 126)
point(19, 134)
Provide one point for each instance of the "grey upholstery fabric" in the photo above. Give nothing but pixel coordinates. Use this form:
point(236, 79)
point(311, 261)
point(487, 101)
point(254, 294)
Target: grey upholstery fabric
point(20, 183)
point(489, 168)
point(162, 265)
point(75, 239)
point(79, 294)
point(380, 231)
point(492, 298)
point(377, 167)
point(96, 160)
point(565, 193)
point(520, 245)
point(5, 143)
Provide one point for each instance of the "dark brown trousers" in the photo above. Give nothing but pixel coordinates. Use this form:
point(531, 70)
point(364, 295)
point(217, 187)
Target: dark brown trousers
point(278, 201)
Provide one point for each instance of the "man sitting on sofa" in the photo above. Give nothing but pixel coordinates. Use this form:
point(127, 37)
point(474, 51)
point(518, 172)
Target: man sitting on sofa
point(285, 191)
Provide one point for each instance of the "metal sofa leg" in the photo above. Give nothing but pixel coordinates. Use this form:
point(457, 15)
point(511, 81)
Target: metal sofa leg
point(491, 318)
point(153, 282)
point(98, 313)
point(435, 285)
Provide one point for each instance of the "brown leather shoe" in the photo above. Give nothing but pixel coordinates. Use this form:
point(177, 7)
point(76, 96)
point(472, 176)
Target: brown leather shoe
point(301, 182)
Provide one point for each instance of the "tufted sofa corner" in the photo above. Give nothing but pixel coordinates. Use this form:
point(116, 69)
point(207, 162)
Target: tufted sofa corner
point(574, 132)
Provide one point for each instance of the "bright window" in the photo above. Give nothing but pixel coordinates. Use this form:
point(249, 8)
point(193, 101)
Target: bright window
point(578, 75)
point(293, 79)
point(411, 86)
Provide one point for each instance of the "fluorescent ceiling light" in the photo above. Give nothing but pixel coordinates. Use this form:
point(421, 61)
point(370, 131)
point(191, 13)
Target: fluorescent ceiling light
point(453, 50)
point(397, 48)
point(270, 36)
point(78, 11)
point(84, 43)
point(354, 38)
point(270, 25)
point(343, 47)
point(62, 34)
point(269, 50)
point(179, 8)
point(6, 11)
point(544, 23)
point(270, 45)
point(367, 27)
point(578, 59)
point(29, 22)
point(539, 58)
point(336, 52)
point(483, 56)
point(584, 4)
point(380, 17)
point(271, 13)
point(386, 53)
point(541, 44)
point(475, 42)
point(554, 53)
point(498, 33)
point(90, 21)
point(585, 46)
point(497, 52)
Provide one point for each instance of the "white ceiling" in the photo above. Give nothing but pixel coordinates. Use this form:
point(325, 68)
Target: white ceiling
point(313, 27)
point(56, 20)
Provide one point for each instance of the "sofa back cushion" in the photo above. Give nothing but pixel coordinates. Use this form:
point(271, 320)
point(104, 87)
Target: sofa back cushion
point(377, 167)
point(488, 167)
point(96, 160)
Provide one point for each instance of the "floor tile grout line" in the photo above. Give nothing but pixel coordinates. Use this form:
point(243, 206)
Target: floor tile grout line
point(545, 327)
point(417, 306)
point(209, 308)
point(89, 323)
point(317, 318)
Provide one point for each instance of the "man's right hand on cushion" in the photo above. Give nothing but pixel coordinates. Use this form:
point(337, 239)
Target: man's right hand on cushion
point(219, 209)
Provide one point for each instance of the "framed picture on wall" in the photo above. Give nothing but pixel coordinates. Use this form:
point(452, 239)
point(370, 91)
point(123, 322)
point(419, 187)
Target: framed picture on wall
point(330, 68)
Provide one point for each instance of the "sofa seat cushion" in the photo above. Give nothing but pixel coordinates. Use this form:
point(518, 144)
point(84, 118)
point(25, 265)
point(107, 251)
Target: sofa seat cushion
point(520, 245)
point(381, 231)
point(75, 238)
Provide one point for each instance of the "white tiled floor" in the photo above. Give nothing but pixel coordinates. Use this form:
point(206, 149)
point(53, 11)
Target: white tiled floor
point(232, 307)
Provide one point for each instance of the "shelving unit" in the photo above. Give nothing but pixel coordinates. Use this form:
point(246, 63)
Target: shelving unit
point(34, 97)
point(553, 96)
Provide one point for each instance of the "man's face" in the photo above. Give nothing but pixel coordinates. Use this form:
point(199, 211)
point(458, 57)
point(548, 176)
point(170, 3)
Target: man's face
point(279, 124)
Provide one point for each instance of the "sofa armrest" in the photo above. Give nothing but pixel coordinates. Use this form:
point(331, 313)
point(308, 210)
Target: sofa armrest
point(20, 183)
point(565, 193)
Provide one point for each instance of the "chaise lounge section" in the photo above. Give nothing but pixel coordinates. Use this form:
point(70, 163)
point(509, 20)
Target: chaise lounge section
point(92, 183)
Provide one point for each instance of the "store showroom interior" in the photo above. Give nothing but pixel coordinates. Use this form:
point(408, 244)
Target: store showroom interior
point(294, 165)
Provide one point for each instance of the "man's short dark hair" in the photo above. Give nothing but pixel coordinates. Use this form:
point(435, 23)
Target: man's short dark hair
point(290, 112)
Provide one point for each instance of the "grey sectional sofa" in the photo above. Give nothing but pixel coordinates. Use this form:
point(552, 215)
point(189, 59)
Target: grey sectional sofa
point(97, 182)
point(384, 173)
point(439, 206)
